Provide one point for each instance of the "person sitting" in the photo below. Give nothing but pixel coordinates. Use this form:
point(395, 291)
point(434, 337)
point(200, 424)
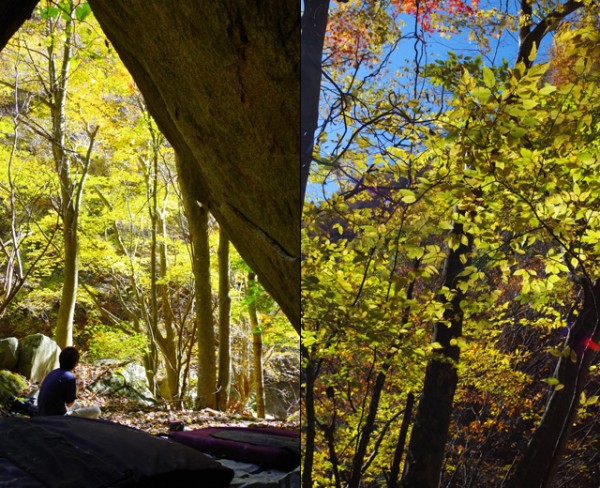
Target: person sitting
point(58, 390)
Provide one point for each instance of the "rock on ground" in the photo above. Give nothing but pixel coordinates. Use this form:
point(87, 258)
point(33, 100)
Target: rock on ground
point(37, 356)
point(8, 353)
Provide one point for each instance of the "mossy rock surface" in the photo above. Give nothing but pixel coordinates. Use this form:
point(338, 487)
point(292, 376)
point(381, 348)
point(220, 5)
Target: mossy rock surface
point(11, 384)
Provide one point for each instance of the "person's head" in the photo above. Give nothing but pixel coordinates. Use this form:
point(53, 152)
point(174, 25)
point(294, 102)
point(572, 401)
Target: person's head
point(68, 358)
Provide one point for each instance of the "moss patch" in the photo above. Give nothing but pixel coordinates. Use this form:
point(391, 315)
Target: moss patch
point(11, 384)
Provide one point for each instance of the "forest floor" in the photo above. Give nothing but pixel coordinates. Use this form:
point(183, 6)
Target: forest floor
point(156, 419)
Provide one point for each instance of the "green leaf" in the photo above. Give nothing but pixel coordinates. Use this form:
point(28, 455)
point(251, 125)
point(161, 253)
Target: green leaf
point(592, 400)
point(414, 252)
point(409, 198)
point(461, 342)
point(551, 381)
point(555, 352)
point(481, 93)
point(547, 89)
point(517, 132)
point(581, 66)
point(529, 104)
point(49, 12)
point(83, 11)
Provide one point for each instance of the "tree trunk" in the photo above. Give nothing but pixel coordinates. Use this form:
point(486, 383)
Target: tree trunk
point(314, 25)
point(206, 334)
point(243, 366)
point(310, 420)
point(425, 456)
point(150, 360)
point(399, 451)
point(68, 299)
point(538, 465)
point(257, 346)
point(162, 326)
point(224, 380)
point(58, 83)
point(197, 216)
point(168, 341)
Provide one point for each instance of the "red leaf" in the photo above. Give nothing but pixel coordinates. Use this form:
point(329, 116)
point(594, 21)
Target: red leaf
point(590, 344)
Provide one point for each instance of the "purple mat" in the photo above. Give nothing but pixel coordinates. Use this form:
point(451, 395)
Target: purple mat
point(268, 447)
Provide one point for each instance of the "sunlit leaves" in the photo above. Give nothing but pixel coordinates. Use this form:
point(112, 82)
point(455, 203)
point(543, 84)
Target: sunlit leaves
point(488, 77)
point(512, 157)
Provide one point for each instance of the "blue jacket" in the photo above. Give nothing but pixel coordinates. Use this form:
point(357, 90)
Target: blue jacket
point(58, 388)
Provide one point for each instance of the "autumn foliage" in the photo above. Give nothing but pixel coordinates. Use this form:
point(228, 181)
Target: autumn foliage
point(357, 30)
point(492, 168)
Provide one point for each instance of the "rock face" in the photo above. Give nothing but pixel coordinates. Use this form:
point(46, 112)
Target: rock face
point(129, 381)
point(222, 80)
point(12, 14)
point(8, 353)
point(37, 356)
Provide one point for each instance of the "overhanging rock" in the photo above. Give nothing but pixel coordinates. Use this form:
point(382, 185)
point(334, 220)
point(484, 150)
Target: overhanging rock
point(222, 80)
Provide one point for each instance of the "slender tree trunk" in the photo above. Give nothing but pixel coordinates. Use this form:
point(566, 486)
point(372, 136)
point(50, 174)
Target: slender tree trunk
point(314, 25)
point(58, 91)
point(366, 431)
point(257, 346)
point(66, 311)
point(539, 462)
point(206, 334)
point(168, 341)
point(224, 378)
point(243, 380)
point(207, 382)
point(309, 424)
point(150, 360)
point(197, 216)
point(425, 455)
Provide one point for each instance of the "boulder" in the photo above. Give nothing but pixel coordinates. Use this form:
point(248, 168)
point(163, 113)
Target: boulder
point(129, 380)
point(281, 398)
point(11, 384)
point(37, 356)
point(8, 353)
point(227, 97)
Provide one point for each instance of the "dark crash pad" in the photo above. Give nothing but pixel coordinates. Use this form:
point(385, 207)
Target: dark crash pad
point(266, 447)
point(69, 452)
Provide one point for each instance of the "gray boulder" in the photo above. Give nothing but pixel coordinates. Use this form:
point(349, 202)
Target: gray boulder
point(129, 381)
point(8, 353)
point(37, 356)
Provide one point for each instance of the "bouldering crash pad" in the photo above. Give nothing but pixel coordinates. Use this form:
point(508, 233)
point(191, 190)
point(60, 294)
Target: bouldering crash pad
point(69, 452)
point(266, 447)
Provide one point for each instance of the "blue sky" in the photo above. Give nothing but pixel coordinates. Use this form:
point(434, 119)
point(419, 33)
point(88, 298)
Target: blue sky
point(437, 47)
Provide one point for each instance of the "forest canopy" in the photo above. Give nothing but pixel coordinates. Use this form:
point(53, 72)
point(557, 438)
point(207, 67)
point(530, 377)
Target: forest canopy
point(450, 255)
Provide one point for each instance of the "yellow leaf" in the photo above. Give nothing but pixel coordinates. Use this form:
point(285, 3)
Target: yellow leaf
point(488, 77)
point(409, 199)
point(533, 53)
